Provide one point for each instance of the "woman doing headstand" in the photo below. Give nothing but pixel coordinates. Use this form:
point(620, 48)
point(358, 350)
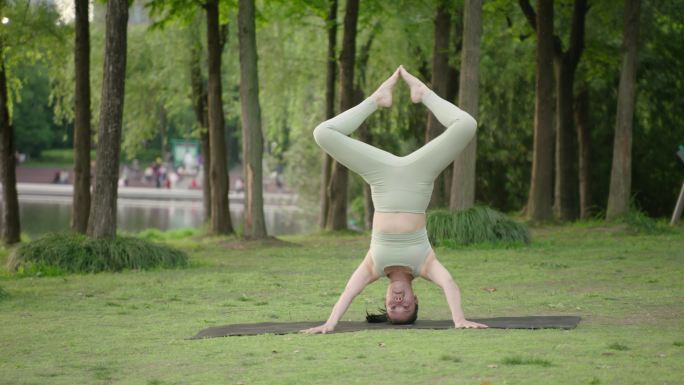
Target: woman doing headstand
point(401, 188)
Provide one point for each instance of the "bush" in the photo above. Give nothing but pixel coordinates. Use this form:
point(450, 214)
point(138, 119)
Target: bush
point(639, 222)
point(475, 225)
point(60, 253)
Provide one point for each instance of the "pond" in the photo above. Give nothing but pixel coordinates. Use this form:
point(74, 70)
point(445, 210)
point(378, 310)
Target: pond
point(40, 215)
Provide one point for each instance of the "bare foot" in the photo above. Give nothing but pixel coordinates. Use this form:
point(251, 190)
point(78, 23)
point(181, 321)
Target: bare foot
point(418, 88)
point(383, 95)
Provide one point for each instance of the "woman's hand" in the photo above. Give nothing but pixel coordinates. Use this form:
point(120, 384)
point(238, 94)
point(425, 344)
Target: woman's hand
point(383, 95)
point(323, 329)
point(418, 88)
point(465, 324)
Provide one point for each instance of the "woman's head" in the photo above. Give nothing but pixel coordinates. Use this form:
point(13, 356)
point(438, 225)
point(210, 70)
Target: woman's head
point(401, 305)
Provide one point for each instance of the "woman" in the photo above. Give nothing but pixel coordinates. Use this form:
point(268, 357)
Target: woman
point(401, 188)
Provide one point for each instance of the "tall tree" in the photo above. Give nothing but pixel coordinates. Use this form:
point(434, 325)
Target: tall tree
point(462, 194)
point(440, 81)
point(584, 140)
point(365, 134)
point(82, 131)
point(218, 169)
point(252, 140)
point(566, 191)
point(621, 173)
point(331, 72)
point(102, 221)
point(337, 219)
point(9, 223)
point(199, 104)
point(539, 200)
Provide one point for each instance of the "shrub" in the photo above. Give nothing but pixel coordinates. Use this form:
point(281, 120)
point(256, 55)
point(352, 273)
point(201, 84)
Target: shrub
point(638, 222)
point(65, 252)
point(474, 225)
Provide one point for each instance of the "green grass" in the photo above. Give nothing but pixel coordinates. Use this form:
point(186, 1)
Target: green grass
point(131, 327)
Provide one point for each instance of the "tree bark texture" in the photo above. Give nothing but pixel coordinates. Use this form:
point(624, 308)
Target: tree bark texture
point(440, 79)
point(621, 173)
point(339, 179)
point(9, 223)
point(365, 134)
point(102, 220)
point(462, 193)
point(252, 140)
point(218, 169)
point(565, 63)
point(567, 186)
point(199, 103)
point(539, 199)
point(80, 209)
point(584, 139)
point(331, 72)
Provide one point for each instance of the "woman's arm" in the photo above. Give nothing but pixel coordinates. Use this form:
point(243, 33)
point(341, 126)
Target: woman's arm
point(362, 277)
point(435, 272)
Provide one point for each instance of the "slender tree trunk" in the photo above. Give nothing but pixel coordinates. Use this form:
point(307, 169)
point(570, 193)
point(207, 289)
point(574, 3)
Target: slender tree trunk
point(567, 186)
point(621, 173)
point(102, 221)
point(331, 72)
point(199, 103)
point(81, 199)
point(365, 134)
point(440, 78)
point(339, 179)
point(163, 130)
point(218, 169)
point(463, 180)
point(584, 139)
point(566, 182)
point(539, 199)
point(9, 223)
point(252, 141)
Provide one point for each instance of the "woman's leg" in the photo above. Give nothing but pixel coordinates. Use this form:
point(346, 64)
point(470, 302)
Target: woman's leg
point(436, 155)
point(358, 156)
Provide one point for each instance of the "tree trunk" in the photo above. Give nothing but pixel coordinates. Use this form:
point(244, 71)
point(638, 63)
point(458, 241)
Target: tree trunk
point(81, 199)
point(566, 192)
point(584, 139)
point(462, 194)
point(440, 78)
point(339, 179)
point(9, 223)
point(331, 72)
point(539, 199)
point(102, 220)
point(199, 103)
point(218, 169)
point(621, 173)
point(252, 140)
point(565, 64)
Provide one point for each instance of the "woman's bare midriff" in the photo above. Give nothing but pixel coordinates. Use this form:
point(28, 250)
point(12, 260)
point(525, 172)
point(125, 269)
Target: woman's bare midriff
point(398, 223)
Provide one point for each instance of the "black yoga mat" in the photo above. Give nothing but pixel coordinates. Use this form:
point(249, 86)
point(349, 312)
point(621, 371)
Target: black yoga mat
point(531, 322)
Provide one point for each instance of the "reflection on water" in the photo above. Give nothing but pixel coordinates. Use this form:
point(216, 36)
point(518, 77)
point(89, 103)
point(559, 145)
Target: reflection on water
point(39, 216)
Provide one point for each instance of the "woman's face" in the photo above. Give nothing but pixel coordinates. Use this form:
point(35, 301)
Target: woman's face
point(400, 301)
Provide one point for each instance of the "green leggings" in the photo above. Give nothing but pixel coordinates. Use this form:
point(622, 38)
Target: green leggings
point(398, 183)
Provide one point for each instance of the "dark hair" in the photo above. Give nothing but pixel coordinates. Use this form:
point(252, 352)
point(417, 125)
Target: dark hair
point(382, 317)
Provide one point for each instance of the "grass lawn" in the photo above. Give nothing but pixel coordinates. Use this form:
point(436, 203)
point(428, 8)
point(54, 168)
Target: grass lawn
point(132, 327)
